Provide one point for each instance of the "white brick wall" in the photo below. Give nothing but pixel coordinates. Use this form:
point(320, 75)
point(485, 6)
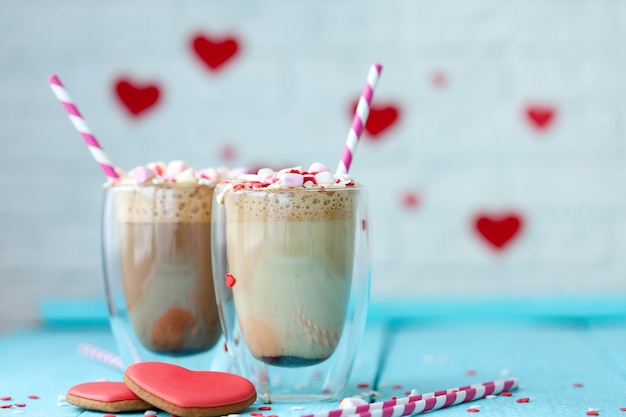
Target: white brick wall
point(462, 148)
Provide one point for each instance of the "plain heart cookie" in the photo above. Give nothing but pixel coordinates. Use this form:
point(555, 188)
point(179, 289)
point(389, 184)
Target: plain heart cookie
point(111, 397)
point(187, 393)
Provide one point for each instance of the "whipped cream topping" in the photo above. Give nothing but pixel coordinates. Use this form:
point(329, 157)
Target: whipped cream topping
point(317, 176)
point(176, 171)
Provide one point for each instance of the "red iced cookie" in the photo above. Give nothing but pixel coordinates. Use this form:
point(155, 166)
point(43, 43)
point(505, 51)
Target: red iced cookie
point(186, 393)
point(111, 397)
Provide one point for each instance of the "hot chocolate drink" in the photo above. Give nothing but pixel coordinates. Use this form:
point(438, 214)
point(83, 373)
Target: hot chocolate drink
point(164, 235)
point(291, 252)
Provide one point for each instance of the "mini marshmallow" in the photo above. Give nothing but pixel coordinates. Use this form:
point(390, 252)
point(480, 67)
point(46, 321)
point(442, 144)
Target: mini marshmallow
point(143, 174)
point(159, 167)
point(250, 177)
point(291, 179)
point(207, 173)
point(318, 167)
point(187, 176)
point(352, 402)
point(176, 167)
point(263, 173)
point(324, 177)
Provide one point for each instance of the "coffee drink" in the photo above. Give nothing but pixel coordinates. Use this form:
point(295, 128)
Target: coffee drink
point(164, 233)
point(291, 252)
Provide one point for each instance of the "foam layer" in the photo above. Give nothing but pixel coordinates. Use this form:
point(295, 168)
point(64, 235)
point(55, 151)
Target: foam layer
point(164, 203)
point(295, 204)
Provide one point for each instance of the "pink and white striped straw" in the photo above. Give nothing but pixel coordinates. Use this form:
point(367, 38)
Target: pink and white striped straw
point(79, 123)
point(434, 403)
point(359, 120)
point(491, 387)
point(101, 355)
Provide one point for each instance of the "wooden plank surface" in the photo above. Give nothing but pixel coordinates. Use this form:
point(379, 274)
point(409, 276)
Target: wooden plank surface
point(565, 368)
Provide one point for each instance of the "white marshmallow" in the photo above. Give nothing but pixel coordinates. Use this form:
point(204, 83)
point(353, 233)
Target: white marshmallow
point(188, 176)
point(324, 177)
point(351, 402)
point(176, 167)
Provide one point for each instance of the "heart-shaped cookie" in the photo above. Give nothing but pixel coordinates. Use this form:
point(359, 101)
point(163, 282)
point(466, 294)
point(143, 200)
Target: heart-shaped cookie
point(107, 396)
point(187, 393)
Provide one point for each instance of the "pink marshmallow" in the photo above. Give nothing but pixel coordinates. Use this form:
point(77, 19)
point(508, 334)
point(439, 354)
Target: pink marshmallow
point(290, 179)
point(318, 167)
point(143, 174)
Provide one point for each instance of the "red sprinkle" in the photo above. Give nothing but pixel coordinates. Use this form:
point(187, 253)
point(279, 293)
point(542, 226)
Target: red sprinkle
point(255, 414)
point(230, 280)
point(265, 408)
point(470, 372)
point(33, 397)
point(506, 393)
point(397, 386)
point(363, 385)
point(577, 385)
point(5, 398)
point(326, 391)
point(523, 400)
point(6, 406)
point(592, 413)
point(622, 409)
point(19, 405)
point(473, 410)
point(111, 415)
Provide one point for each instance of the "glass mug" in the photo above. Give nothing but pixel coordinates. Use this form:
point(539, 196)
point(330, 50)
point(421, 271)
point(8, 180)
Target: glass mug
point(296, 262)
point(159, 281)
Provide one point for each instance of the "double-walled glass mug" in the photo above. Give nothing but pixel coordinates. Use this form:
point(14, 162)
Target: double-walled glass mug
point(156, 248)
point(298, 276)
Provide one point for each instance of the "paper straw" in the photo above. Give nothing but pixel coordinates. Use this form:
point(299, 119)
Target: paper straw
point(434, 403)
point(101, 355)
point(359, 120)
point(491, 387)
point(79, 123)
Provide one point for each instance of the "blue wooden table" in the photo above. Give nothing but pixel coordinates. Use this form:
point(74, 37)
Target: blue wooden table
point(568, 364)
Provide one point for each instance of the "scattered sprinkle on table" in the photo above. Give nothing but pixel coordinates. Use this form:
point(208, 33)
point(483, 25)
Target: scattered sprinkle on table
point(523, 400)
point(265, 408)
point(592, 413)
point(473, 410)
point(7, 398)
point(577, 385)
point(506, 393)
point(363, 385)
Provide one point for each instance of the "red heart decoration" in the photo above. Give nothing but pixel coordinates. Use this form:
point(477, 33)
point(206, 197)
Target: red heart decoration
point(439, 79)
point(410, 200)
point(381, 118)
point(227, 152)
point(213, 52)
point(540, 117)
point(498, 229)
point(136, 98)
